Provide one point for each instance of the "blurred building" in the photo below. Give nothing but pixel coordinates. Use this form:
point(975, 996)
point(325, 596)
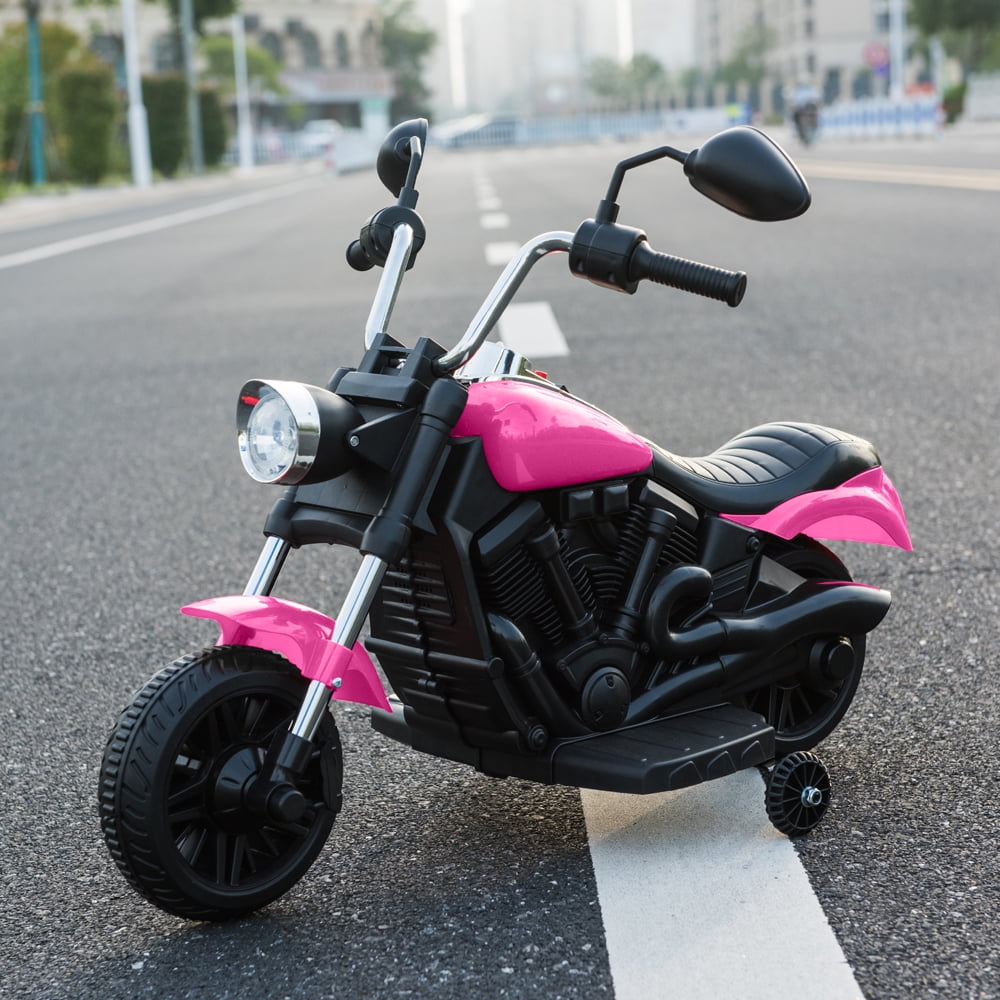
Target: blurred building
point(531, 56)
point(839, 46)
point(328, 50)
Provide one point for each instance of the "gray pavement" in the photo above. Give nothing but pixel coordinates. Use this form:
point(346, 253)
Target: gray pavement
point(122, 498)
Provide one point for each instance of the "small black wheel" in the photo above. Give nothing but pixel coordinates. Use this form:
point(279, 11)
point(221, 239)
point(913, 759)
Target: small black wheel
point(798, 793)
point(173, 802)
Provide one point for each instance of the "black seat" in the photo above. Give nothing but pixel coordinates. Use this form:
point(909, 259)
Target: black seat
point(764, 466)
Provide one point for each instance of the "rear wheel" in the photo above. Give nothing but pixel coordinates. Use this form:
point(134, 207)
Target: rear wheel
point(173, 789)
point(807, 705)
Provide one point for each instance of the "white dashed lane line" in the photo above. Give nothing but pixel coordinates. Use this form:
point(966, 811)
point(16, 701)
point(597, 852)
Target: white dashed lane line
point(531, 329)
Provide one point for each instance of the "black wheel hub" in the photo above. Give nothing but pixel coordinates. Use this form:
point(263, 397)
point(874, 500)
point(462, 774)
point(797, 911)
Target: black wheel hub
point(229, 801)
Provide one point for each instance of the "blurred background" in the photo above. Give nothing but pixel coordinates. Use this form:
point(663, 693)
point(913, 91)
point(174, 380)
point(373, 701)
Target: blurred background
point(92, 91)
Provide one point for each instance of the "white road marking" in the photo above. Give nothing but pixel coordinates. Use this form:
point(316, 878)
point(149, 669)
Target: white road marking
point(150, 225)
point(495, 220)
point(500, 254)
point(530, 328)
point(703, 899)
point(489, 203)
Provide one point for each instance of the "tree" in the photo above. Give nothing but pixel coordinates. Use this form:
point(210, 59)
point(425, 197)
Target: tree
point(933, 16)
point(748, 63)
point(405, 44)
point(165, 98)
point(59, 47)
point(89, 100)
point(637, 83)
point(262, 68)
point(692, 82)
point(969, 29)
point(203, 10)
point(607, 80)
point(646, 79)
point(213, 126)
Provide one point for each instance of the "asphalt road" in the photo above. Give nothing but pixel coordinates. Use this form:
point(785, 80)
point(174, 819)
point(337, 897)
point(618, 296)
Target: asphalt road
point(123, 498)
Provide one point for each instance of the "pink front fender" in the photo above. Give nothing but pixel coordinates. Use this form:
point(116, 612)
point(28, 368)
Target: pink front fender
point(302, 636)
point(866, 508)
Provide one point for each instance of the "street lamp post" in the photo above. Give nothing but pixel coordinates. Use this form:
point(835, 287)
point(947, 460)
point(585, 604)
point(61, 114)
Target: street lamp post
point(244, 128)
point(36, 111)
point(897, 47)
point(193, 108)
point(138, 126)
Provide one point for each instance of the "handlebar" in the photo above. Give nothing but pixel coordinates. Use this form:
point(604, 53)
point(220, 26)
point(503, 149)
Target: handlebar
point(619, 257)
point(687, 275)
point(606, 253)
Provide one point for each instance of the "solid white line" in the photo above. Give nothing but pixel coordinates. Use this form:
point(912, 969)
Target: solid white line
point(531, 329)
point(125, 232)
point(703, 899)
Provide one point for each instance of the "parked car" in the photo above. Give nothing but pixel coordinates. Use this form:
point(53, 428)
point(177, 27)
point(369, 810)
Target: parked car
point(318, 137)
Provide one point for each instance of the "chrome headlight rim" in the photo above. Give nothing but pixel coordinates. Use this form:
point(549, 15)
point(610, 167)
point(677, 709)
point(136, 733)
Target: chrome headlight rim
point(304, 412)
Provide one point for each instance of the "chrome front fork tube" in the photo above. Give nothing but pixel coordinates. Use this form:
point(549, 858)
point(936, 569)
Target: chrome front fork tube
point(350, 621)
point(269, 563)
point(352, 617)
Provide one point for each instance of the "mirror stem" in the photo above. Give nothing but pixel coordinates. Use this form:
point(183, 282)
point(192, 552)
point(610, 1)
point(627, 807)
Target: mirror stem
point(408, 194)
point(608, 209)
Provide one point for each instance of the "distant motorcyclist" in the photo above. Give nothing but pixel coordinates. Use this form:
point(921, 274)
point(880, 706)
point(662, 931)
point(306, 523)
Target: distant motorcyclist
point(804, 108)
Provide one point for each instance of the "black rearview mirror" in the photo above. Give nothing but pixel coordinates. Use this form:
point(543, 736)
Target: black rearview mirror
point(395, 155)
point(748, 173)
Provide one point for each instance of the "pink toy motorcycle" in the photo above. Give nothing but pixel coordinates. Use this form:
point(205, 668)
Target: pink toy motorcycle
point(549, 595)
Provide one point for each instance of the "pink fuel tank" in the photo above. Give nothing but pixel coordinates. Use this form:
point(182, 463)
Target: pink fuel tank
point(536, 438)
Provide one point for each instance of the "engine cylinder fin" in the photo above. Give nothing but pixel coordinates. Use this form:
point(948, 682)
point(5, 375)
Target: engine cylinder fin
point(518, 587)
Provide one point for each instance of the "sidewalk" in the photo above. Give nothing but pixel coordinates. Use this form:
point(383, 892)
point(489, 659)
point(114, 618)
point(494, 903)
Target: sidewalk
point(24, 210)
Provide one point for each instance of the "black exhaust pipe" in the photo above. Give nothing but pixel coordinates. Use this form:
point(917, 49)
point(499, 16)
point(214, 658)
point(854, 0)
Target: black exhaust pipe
point(741, 645)
point(835, 608)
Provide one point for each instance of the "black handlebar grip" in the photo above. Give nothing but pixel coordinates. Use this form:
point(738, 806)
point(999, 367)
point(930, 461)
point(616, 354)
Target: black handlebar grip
point(357, 257)
point(687, 275)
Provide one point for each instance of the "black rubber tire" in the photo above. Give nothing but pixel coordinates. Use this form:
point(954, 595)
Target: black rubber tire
point(798, 794)
point(171, 819)
point(801, 713)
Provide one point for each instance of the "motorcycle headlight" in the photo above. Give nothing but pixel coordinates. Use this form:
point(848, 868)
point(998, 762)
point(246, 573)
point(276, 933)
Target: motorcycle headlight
point(290, 432)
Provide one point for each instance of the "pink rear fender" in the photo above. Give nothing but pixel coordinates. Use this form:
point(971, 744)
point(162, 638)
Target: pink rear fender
point(302, 636)
point(537, 438)
point(866, 508)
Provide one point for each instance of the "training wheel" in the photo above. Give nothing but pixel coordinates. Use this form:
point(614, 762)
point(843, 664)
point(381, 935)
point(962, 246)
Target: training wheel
point(798, 793)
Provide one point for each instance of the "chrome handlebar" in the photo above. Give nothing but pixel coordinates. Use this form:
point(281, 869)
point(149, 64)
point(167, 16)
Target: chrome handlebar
point(499, 297)
point(506, 286)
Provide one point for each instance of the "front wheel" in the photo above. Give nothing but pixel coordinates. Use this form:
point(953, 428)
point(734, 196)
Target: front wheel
point(173, 803)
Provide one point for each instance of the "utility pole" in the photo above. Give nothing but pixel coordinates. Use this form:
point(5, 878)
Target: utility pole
point(36, 112)
point(897, 47)
point(244, 126)
point(191, 78)
point(138, 126)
